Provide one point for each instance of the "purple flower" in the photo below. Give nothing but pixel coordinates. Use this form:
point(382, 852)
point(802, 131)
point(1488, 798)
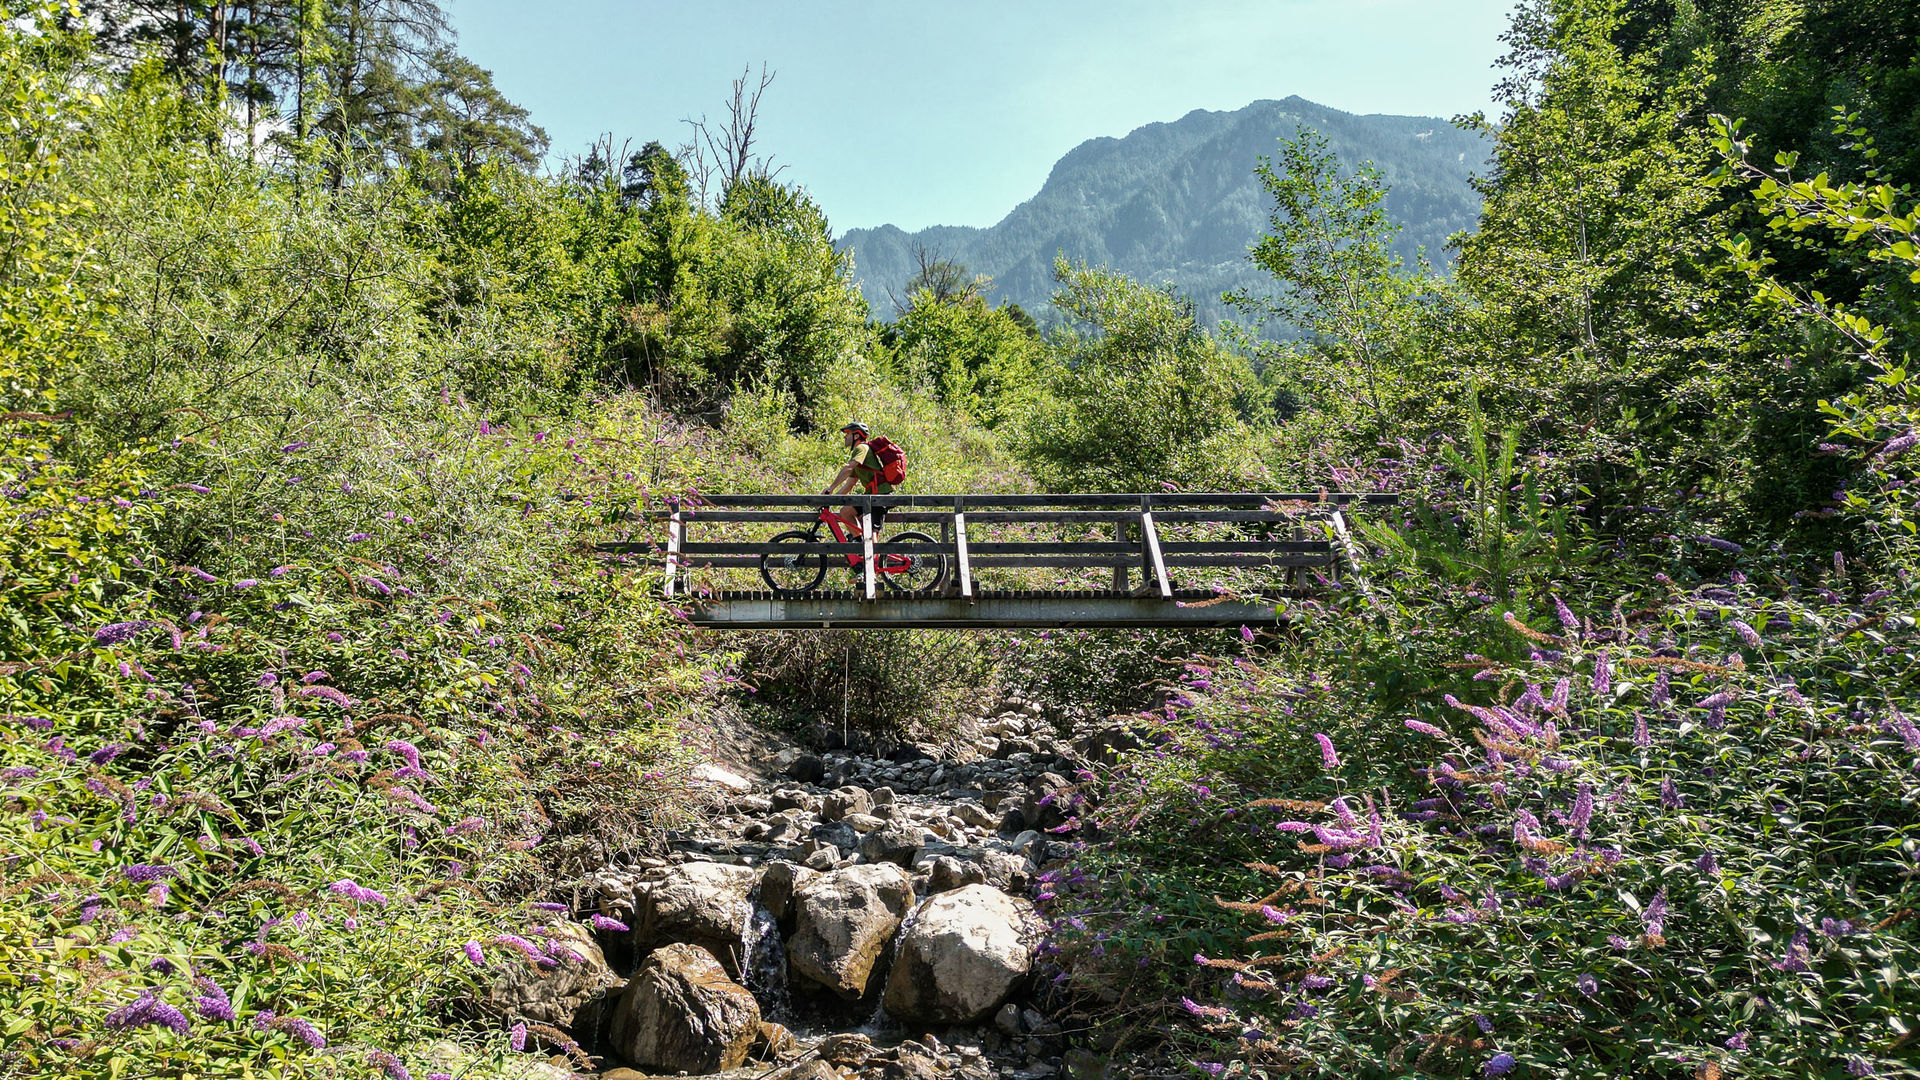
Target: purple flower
point(1246, 633)
point(1796, 957)
point(1859, 1066)
point(466, 825)
point(1836, 927)
point(1602, 674)
point(201, 574)
point(1328, 759)
point(1499, 1064)
point(326, 693)
point(143, 872)
point(1656, 914)
point(278, 571)
point(1746, 633)
point(1641, 737)
point(147, 1011)
point(520, 943)
point(1582, 811)
point(1736, 1041)
point(1567, 618)
point(546, 906)
point(212, 1001)
point(517, 1038)
point(347, 888)
point(1707, 864)
point(1587, 983)
point(1425, 729)
point(389, 1064)
point(115, 633)
point(1894, 448)
point(602, 922)
point(1670, 796)
point(1724, 545)
point(246, 583)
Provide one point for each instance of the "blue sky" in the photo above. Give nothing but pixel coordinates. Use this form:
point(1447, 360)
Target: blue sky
point(915, 114)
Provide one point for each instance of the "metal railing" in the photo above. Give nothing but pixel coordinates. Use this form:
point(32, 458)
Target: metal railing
point(1235, 530)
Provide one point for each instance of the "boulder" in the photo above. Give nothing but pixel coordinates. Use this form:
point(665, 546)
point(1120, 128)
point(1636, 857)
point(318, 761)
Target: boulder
point(682, 1013)
point(572, 996)
point(789, 799)
point(960, 957)
point(696, 903)
point(863, 823)
point(881, 796)
point(807, 768)
point(710, 773)
point(948, 873)
point(893, 844)
point(778, 883)
point(972, 813)
point(848, 1050)
point(840, 802)
point(773, 1042)
point(1046, 803)
point(838, 833)
point(843, 923)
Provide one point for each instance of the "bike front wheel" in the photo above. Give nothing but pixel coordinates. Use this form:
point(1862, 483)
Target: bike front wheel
point(917, 575)
point(798, 567)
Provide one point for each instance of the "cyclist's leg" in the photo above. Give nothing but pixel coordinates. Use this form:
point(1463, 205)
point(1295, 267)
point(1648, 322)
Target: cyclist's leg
point(850, 514)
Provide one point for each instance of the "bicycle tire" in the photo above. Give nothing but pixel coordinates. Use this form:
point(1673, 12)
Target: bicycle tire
point(924, 574)
point(798, 573)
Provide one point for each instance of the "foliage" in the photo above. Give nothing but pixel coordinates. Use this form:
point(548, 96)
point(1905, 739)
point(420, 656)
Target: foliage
point(1329, 246)
point(894, 684)
point(976, 359)
point(1146, 399)
point(307, 681)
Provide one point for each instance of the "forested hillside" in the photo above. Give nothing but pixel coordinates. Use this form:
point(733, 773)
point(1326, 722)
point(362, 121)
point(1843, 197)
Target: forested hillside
point(331, 745)
point(1178, 202)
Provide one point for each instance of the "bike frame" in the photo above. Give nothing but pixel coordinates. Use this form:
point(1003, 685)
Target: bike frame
point(832, 521)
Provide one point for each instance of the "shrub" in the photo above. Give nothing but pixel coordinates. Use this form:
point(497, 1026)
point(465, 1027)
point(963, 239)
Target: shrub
point(890, 684)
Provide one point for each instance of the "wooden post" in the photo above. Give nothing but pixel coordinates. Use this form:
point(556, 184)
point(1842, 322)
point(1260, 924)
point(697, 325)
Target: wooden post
point(1120, 569)
point(675, 529)
point(1150, 541)
point(866, 543)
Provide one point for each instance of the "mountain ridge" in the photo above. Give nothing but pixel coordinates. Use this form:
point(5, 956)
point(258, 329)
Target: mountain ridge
point(1178, 202)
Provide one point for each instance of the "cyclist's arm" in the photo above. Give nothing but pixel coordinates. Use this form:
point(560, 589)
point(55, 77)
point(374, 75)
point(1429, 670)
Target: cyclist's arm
point(843, 481)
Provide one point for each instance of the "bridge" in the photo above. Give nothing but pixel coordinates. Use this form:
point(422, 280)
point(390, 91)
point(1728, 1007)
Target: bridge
point(981, 560)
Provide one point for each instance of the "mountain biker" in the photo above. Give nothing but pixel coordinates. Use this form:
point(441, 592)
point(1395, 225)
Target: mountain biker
point(862, 468)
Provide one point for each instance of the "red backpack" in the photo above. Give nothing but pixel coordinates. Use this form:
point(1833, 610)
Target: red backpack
point(892, 459)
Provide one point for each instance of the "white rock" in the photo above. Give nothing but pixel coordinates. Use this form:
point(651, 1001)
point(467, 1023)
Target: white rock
point(960, 957)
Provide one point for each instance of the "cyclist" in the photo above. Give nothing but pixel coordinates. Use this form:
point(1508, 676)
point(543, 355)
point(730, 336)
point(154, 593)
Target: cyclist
point(862, 468)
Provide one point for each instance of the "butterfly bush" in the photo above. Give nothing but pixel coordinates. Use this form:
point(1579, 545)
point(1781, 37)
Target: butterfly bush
point(1630, 821)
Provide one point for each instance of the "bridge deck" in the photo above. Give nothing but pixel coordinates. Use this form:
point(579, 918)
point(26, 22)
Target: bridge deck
point(989, 608)
point(1148, 545)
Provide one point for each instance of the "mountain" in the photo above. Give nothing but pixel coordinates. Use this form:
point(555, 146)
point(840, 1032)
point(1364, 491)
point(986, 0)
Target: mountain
point(1178, 202)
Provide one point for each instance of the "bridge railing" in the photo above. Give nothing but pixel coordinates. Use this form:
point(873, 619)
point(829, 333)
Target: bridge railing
point(1156, 537)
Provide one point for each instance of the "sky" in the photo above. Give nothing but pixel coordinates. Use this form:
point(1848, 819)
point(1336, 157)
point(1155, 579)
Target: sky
point(915, 114)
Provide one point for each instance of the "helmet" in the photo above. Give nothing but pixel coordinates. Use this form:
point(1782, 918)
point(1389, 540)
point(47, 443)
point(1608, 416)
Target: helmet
point(856, 426)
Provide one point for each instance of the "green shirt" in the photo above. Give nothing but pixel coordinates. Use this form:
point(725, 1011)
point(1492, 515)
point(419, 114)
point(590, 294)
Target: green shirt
point(866, 469)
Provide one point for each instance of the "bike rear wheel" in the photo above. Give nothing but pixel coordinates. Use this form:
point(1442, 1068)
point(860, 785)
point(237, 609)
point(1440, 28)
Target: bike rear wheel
point(916, 575)
point(797, 568)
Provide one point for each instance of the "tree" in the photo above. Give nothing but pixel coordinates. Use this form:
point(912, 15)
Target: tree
point(720, 157)
point(1142, 397)
point(465, 119)
point(1329, 246)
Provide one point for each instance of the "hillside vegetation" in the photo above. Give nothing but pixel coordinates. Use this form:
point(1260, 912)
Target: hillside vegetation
point(315, 697)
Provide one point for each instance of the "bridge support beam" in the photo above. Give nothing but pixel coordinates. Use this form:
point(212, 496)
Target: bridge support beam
point(1033, 610)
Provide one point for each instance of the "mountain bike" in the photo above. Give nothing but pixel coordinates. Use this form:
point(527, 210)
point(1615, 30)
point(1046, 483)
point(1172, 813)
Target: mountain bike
point(799, 567)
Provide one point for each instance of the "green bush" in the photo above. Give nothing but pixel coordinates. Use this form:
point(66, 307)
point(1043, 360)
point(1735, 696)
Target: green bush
point(889, 684)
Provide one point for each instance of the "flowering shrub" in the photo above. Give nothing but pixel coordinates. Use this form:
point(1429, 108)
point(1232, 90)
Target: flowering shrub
point(1676, 836)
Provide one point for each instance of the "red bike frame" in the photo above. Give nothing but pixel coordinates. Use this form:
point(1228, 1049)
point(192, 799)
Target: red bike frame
point(881, 566)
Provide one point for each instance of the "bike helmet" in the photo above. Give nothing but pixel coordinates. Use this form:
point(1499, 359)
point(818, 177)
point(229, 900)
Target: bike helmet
point(857, 426)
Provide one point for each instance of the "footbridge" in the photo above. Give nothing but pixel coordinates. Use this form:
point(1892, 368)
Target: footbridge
point(983, 560)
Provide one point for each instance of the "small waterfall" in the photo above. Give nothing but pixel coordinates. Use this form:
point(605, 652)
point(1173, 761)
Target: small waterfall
point(880, 1022)
point(763, 966)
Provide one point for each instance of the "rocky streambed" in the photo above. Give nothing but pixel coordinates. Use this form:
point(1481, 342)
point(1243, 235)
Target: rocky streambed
point(841, 914)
